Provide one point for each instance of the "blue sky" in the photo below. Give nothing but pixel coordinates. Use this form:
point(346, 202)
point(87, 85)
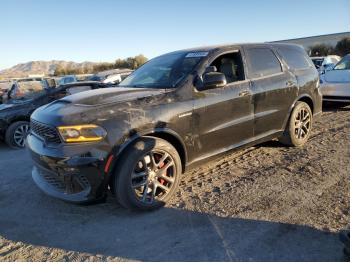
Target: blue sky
point(103, 30)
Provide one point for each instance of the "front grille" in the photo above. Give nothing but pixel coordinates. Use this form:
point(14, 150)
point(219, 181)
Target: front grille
point(54, 181)
point(64, 183)
point(46, 132)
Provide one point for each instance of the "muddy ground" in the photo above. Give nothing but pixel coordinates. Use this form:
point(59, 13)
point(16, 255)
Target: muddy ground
point(265, 203)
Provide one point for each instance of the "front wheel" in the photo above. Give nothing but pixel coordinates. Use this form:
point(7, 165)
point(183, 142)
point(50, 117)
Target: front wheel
point(16, 134)
point(299, 126)
point(148, 174)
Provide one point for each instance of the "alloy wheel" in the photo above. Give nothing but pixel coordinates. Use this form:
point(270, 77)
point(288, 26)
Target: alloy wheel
point(20, 134)
point(153, 176)
point(302, 124)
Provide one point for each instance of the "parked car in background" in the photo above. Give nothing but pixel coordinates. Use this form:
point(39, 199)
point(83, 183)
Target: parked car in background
point(12, 86)
point(323, 63)
point(4, 88)
point(111, 76)
point(117, 78)
point(67, 80)
point(335, 83)
point(24, 98)
point(83, 77)
point(175, 111)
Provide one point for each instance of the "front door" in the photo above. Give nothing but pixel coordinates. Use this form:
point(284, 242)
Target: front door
point(223, 117)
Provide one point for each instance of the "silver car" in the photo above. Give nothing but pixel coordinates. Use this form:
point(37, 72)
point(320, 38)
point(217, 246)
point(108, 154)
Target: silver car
point(335, 83)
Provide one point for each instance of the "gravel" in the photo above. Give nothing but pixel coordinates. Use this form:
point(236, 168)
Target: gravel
point(264, 203)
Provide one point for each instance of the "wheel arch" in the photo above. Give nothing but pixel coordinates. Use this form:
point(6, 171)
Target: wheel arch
point(19, 118)
point(164, 133)
point(303, 98)
point(308, 100)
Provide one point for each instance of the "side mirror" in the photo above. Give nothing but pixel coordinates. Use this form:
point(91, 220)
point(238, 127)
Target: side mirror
point(214, 80)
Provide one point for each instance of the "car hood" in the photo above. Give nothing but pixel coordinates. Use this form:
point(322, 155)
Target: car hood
point(337, 76)
point(9, 106)
point(97, 105)
point(5, 106)
point(111, 95)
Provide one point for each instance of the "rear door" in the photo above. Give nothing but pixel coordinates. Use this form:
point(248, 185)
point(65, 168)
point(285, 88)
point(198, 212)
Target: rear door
point(301, 66)
point(274, 89)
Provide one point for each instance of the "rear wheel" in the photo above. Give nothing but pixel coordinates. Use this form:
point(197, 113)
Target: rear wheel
point(16, 134)
point(148, 174)
point(299, 126)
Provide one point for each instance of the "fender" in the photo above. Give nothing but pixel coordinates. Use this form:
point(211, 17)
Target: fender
point(300, 97)
point(119, 148)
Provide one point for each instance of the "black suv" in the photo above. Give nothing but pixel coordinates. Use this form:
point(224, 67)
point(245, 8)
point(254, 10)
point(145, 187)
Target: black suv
point(173, 112)
point(26, 96)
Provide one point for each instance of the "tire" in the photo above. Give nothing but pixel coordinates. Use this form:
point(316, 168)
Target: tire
point(147, 174)
point(344, 237)
point(298, 132)
point(16, 134)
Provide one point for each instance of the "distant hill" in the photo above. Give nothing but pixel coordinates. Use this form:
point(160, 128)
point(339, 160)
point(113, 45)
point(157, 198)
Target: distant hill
point(41, 67)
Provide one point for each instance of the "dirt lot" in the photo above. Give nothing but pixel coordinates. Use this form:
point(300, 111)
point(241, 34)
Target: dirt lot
point(266, 203)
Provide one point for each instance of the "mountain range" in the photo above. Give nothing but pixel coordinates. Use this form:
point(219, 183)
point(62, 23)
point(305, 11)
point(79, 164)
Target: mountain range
point(41, 67)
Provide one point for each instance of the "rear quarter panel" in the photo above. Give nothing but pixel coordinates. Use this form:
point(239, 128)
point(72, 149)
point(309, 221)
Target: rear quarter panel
point(308, 81)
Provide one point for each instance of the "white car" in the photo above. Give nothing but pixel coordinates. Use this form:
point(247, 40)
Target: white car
point(324, 63)
point(116, 78)
point(335, 83)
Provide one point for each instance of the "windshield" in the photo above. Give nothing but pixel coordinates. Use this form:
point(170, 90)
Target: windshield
point(343, 64)
point(94, 78)
point(164, 71)
point(27, 90)
point(67, 80)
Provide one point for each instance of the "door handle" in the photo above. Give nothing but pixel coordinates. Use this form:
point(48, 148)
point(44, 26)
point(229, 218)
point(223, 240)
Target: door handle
point(244, 93)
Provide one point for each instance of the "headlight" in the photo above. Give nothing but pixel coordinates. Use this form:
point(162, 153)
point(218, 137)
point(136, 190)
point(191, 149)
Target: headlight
point(82, 133)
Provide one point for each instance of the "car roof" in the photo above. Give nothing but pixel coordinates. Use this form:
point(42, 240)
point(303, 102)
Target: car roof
point(233, 46)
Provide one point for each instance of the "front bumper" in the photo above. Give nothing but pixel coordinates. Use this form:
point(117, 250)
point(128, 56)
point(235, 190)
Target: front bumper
point(73, 173)
point(341, 99)
point(335, 92)
point(3, 127)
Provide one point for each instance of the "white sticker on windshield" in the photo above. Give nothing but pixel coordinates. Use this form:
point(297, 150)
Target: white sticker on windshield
point(197, 54)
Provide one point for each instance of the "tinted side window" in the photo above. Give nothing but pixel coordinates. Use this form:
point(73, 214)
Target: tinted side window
point(295, 58)
point(262, 62)
point(231, 66)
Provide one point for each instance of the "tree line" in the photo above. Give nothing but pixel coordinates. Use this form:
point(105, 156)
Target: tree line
point(130, 63)
point(342, 48)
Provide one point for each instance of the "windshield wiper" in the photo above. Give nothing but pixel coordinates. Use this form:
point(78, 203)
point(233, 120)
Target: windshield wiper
point(133, 86)
point(177, 81)
point(146, 86)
